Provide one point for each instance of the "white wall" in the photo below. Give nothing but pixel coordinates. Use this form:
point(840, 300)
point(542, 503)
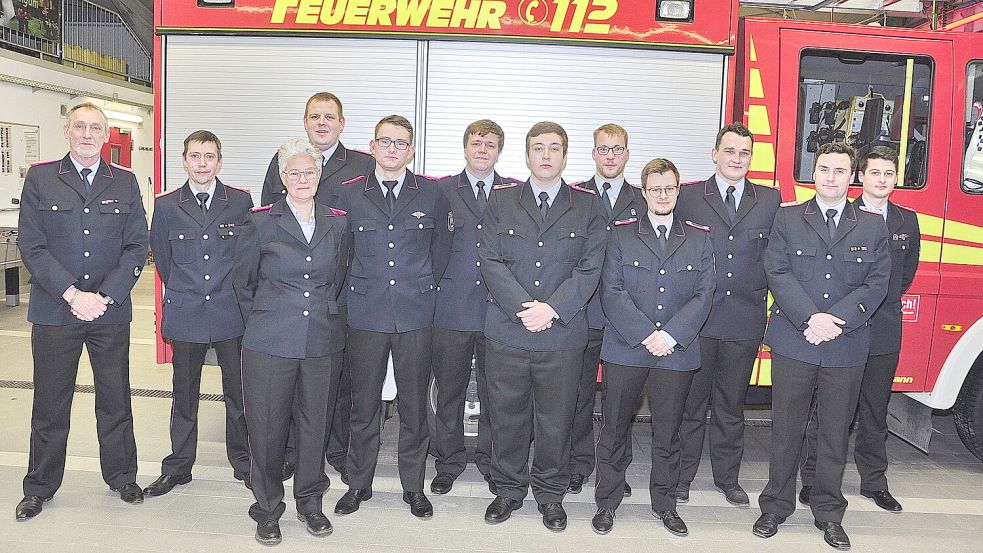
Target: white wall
point(29, 105)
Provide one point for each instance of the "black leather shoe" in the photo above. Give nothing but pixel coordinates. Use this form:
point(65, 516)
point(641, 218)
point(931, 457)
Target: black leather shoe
point(681, 492)
point(317, 524)
point(554, 517)
point(835, 535)
point(491, 484)
point(442, 483)
point(735, 495)
point(29, 507)
point(165, 484)
point(628, 490)
point(501, 509)
point(804, 494)
point(268, 532)
point(343, 472)
point(130, 493)
point(767, 525)
point(287, 470)
point(420, 506)
point(349, 502)
point(576, 483)
point(884, 500)
point(672, 522)
point(603, 521)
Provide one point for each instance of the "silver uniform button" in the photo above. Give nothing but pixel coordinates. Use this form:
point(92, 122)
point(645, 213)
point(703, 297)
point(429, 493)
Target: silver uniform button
point(635, 263)
point(54, 208)
point(658, 324)
point(659, 307)
point(828, 276)
point(539, 264)
point(477, 283)
point(86, 277)
point(478, 244)
point(730, 256)
point(85, 231)
point(392, 282)
point(662, 288)
point(535, 283)
point(798, 252)
point(391, 227)
point(180, 237)
point(477, 264)
point(420, 225)
point(541, 244)
point(307, 294)
point(116, 211)
point(479, 226)
point(307, 277)
point(731, 237)
point(573, 235)
point(207, 297)
point(689, 267)
point(86, 210)
point(609, 227)
point(730, 275)
point(208, 277)
point(828, 257)
point(204, 237)
point(727, 292)
point(205, 257)
point(392, 263)
point(511, 231)
point(825, 296)
point(361, 228)
point(306, 312)
point(662, 271)
point(86, 254)
point(859, 260)
point(308, 258)
point(392, 245)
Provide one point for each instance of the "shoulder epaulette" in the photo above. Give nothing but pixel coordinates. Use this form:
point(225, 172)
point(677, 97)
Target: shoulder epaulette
point(870, 210)
point(578, 188)
point(429, 177)
point(626, 221)
point(704, 228)
point(904, 207)
point(352, 181)
point(36, 163)
point(691, 182)
point(510, 179)
point(505, 185)
point(166, 192)
point(790, 204)
point(236, 188)
point(338, 212)
point(261, 208)
point(360, 151)
point(118, 166)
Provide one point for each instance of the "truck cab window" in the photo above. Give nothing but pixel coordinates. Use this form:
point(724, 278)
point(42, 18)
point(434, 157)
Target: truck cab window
point(973, 163)
point(860, 98)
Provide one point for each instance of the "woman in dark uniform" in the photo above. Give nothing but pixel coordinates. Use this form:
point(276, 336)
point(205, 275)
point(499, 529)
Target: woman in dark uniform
point(291, 266)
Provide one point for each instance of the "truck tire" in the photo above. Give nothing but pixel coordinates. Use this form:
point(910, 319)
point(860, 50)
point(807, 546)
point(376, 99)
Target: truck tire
point(968, 410)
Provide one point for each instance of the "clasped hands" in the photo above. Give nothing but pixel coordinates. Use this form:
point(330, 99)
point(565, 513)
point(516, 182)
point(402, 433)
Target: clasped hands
point(86, 306)
point(537, 316)
point(822, 327)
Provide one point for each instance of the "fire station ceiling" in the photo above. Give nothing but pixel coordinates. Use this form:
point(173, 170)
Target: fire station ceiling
point(138, 15)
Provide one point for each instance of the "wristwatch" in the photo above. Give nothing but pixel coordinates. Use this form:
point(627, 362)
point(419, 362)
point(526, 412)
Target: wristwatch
point(109, 300)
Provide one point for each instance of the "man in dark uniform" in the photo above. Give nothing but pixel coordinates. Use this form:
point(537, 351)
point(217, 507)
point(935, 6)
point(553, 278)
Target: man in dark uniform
point(828, 268)
point(324, 121)
point(619, 200)
point(461, 304)
point(656, 289)
point(193, 237)
point(391, 294)
point(740, 215)
point(879, 175)
point(542, 245)
point(83, 237)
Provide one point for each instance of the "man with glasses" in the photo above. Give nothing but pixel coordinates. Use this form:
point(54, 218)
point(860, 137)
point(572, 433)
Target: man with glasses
point(324, 121)
point(193, 235)
point(618, 200)
point(391, 293)
point(656, 289)
point(828, 268)
point(541, 249)
point(739, 214)
point(462, 300)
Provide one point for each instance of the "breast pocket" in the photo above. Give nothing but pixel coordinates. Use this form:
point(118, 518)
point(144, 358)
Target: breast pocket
point(422, 229)
point(227, 236)
point(758, 238)
point(638, 273)
point(571, 244)
point(511, 240)
point(184, 244)
point(857, 264)
point(457, 227)
point(112, 219)
point(57, 216)
point(366, 237)
point(803, 261)
point(687, 273)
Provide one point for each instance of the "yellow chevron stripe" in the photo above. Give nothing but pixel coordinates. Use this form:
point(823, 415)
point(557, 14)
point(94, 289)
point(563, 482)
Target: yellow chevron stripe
point(754, 54)
point(761, 374)
point(931, 252)
point(804, 193)
point(757, 120)
point(763, 157)
point(754, 86)
point(961, 231)
point(930, 225)
point(962, 255)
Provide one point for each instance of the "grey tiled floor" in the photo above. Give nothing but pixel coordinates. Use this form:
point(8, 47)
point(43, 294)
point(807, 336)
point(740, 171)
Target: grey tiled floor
point(942, 492)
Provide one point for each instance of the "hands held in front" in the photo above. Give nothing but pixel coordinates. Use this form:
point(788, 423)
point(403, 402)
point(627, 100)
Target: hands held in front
point(656, 344)
point(86, 306)
point(537, 316)
point(822, 327)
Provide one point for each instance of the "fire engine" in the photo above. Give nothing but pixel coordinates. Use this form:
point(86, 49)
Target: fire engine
point(670, 71)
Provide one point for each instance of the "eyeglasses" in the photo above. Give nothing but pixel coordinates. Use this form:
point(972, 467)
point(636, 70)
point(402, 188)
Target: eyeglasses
point(294, 176)
point(385, 142)
point(603, 150)
point(668, 191)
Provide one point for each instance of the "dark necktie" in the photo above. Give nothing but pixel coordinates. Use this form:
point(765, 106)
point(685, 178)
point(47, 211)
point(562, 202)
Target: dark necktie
point(831, 222)
point(731, 203)
point(606, 199)
point(663, 238)
point(482, 199)
point(390, 195)
point(544, 204)
point(202, 199)
point(85, 178)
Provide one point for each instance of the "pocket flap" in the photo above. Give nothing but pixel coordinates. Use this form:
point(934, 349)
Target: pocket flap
point(804, 251)
point(59, 204)
point(182, 234)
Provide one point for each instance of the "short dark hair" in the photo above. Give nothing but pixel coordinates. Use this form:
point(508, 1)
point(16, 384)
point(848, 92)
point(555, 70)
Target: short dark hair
point(547, 127)
point(203, 136)
point(324, 97)
point(837, 148)
point(879, 152)
point(482, 127)
point(397, 120)
point(659, 166)
point(737, 128)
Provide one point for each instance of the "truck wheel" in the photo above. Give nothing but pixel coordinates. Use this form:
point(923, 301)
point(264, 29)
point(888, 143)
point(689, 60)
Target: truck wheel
point(472, 409)
point(968, 410)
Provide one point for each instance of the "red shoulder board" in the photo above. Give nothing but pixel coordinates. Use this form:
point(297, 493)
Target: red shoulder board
point(338, 212)
point(428, 177)
point(626, 221)
point(352, 181)
point(236, 188)
point(36, 163)
point(870, 210)
point(704, 228)
point(690, 182)
point(510, 179)
point(904, 207)
point(171, 191)
point(579, 189)
point(505, 185)
point(127, 169)
point(261, 208)
point(790, 204)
